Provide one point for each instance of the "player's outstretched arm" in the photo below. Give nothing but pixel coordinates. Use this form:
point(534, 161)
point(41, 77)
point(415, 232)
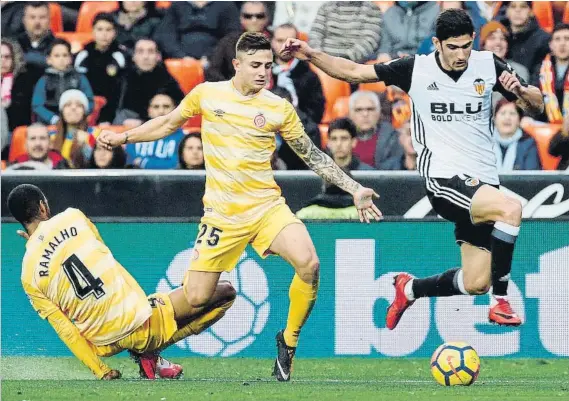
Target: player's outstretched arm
point(336, 67)
point(152, 130)
point(324, 166)
point(81, 348)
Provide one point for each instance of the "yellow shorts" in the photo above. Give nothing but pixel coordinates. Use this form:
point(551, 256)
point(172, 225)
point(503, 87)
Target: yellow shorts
point(219, 245)
point(156, 331)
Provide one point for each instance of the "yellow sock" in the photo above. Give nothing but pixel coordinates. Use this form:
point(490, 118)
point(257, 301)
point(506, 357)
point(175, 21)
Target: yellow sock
point(200, 323)
point(302, 297)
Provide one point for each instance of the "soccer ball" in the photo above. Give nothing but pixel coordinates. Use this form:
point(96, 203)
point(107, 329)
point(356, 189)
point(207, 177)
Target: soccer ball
point(243, 321)
point(455, 364)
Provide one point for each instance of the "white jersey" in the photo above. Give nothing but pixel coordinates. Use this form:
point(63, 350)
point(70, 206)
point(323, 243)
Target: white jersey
point(451, 123)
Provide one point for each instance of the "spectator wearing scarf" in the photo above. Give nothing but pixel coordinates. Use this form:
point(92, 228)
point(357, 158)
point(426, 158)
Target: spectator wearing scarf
point(513, 148)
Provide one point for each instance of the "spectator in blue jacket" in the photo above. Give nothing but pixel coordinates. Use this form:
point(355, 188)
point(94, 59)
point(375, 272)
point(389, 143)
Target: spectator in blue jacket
point(514, 149)
point(163, 153)
point(58, 78)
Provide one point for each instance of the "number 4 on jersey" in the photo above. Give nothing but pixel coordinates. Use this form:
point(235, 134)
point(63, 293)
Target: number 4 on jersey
point(81, 279)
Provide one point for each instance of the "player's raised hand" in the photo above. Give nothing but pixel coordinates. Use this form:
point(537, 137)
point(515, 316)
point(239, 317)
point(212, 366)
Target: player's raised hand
point(510, 82)
point(363, 199)
point(112, 375)
point(110, 139)
point(295, 48)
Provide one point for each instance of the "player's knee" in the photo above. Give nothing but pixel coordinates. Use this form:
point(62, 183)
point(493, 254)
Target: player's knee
point(228, 291)
point(309, 268)
point(512, 212)
point(477, 286)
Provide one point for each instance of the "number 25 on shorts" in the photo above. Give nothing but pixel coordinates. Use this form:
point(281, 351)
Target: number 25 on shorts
point(212, 238)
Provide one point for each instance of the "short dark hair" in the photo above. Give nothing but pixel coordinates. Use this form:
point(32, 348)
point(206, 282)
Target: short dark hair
point(559, 27)
point(58, 42)
point(452, 23)
point(105, 17)
point(250, 42)
point(344, 124)
point(24, 203)
point(36, 4)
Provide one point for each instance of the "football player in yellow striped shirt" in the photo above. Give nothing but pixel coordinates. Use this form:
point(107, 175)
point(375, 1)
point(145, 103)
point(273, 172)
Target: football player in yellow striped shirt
point(243, 203)
point(95, 306)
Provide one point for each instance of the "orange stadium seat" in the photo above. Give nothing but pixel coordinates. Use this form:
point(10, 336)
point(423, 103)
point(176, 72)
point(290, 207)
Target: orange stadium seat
point(55, 18)
point(378, 87)
point(163, 4)
point(542, 133)
point(88, 11)
point(100, 102)
point(188, 73)
point(333, 89)
point(566, 14)
point(323, 134)
point(384, 5)
point(302, 36)
point(77, 40)
point(544, 15)
point(342, 107)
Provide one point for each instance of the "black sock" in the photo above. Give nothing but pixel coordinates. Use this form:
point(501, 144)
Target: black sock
point(502, 246)
point(440, 285)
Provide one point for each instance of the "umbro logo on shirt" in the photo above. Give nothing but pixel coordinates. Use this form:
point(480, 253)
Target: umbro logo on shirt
point(433, 87)
point(219, 112)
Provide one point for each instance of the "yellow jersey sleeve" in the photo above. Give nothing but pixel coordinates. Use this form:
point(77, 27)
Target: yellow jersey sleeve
point(81, 348)
point(191, 104)
point(90, 225)
point(41, 304)
point(292, 127)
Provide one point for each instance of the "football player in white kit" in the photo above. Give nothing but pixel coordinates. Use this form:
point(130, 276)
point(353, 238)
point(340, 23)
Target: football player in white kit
point(451, 125)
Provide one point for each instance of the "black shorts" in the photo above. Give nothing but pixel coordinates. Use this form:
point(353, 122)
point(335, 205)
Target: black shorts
point(451, 198)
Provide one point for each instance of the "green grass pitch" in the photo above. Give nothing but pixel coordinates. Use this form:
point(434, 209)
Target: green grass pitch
point(62, 379)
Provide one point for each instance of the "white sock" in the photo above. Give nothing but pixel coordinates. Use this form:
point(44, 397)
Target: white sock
point(409, 290)
point(162, 363)
point(494, 299)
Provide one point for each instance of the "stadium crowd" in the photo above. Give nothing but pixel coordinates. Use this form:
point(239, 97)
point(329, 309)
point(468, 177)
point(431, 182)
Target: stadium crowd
point(70, 68)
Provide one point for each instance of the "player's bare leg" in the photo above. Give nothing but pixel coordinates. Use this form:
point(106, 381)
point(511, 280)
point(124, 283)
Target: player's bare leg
point(490, 205)
point(295, 246)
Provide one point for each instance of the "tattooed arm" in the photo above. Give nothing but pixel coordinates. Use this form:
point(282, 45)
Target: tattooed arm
point(322, 164)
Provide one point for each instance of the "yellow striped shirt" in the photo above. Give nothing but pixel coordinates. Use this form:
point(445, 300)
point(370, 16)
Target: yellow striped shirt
point(238, 135)
point(68, 267)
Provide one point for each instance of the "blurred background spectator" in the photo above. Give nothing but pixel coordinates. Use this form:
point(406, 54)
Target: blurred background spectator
point(296, 77)
point(254, 18)
point(102, 158)
point(73, 138)
point(409, 161)
point(552, 77)
point(378, 142)
point(160, 154)
point(18, 82)
point(332, 204)
point(146, 77)
point(4, 131)
point(342, 139)
point(190, 152)
point(135, 20)
point(38, 151)
point(58, 78)
point(405, 25)
point(12, 15)
point(103, 61)
point(290, 159)
point(514, 149)
point(348, 29)
point(494, 38)
point(299, 13)
point(193, 28)
point(37, 37)
point(528, 43)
